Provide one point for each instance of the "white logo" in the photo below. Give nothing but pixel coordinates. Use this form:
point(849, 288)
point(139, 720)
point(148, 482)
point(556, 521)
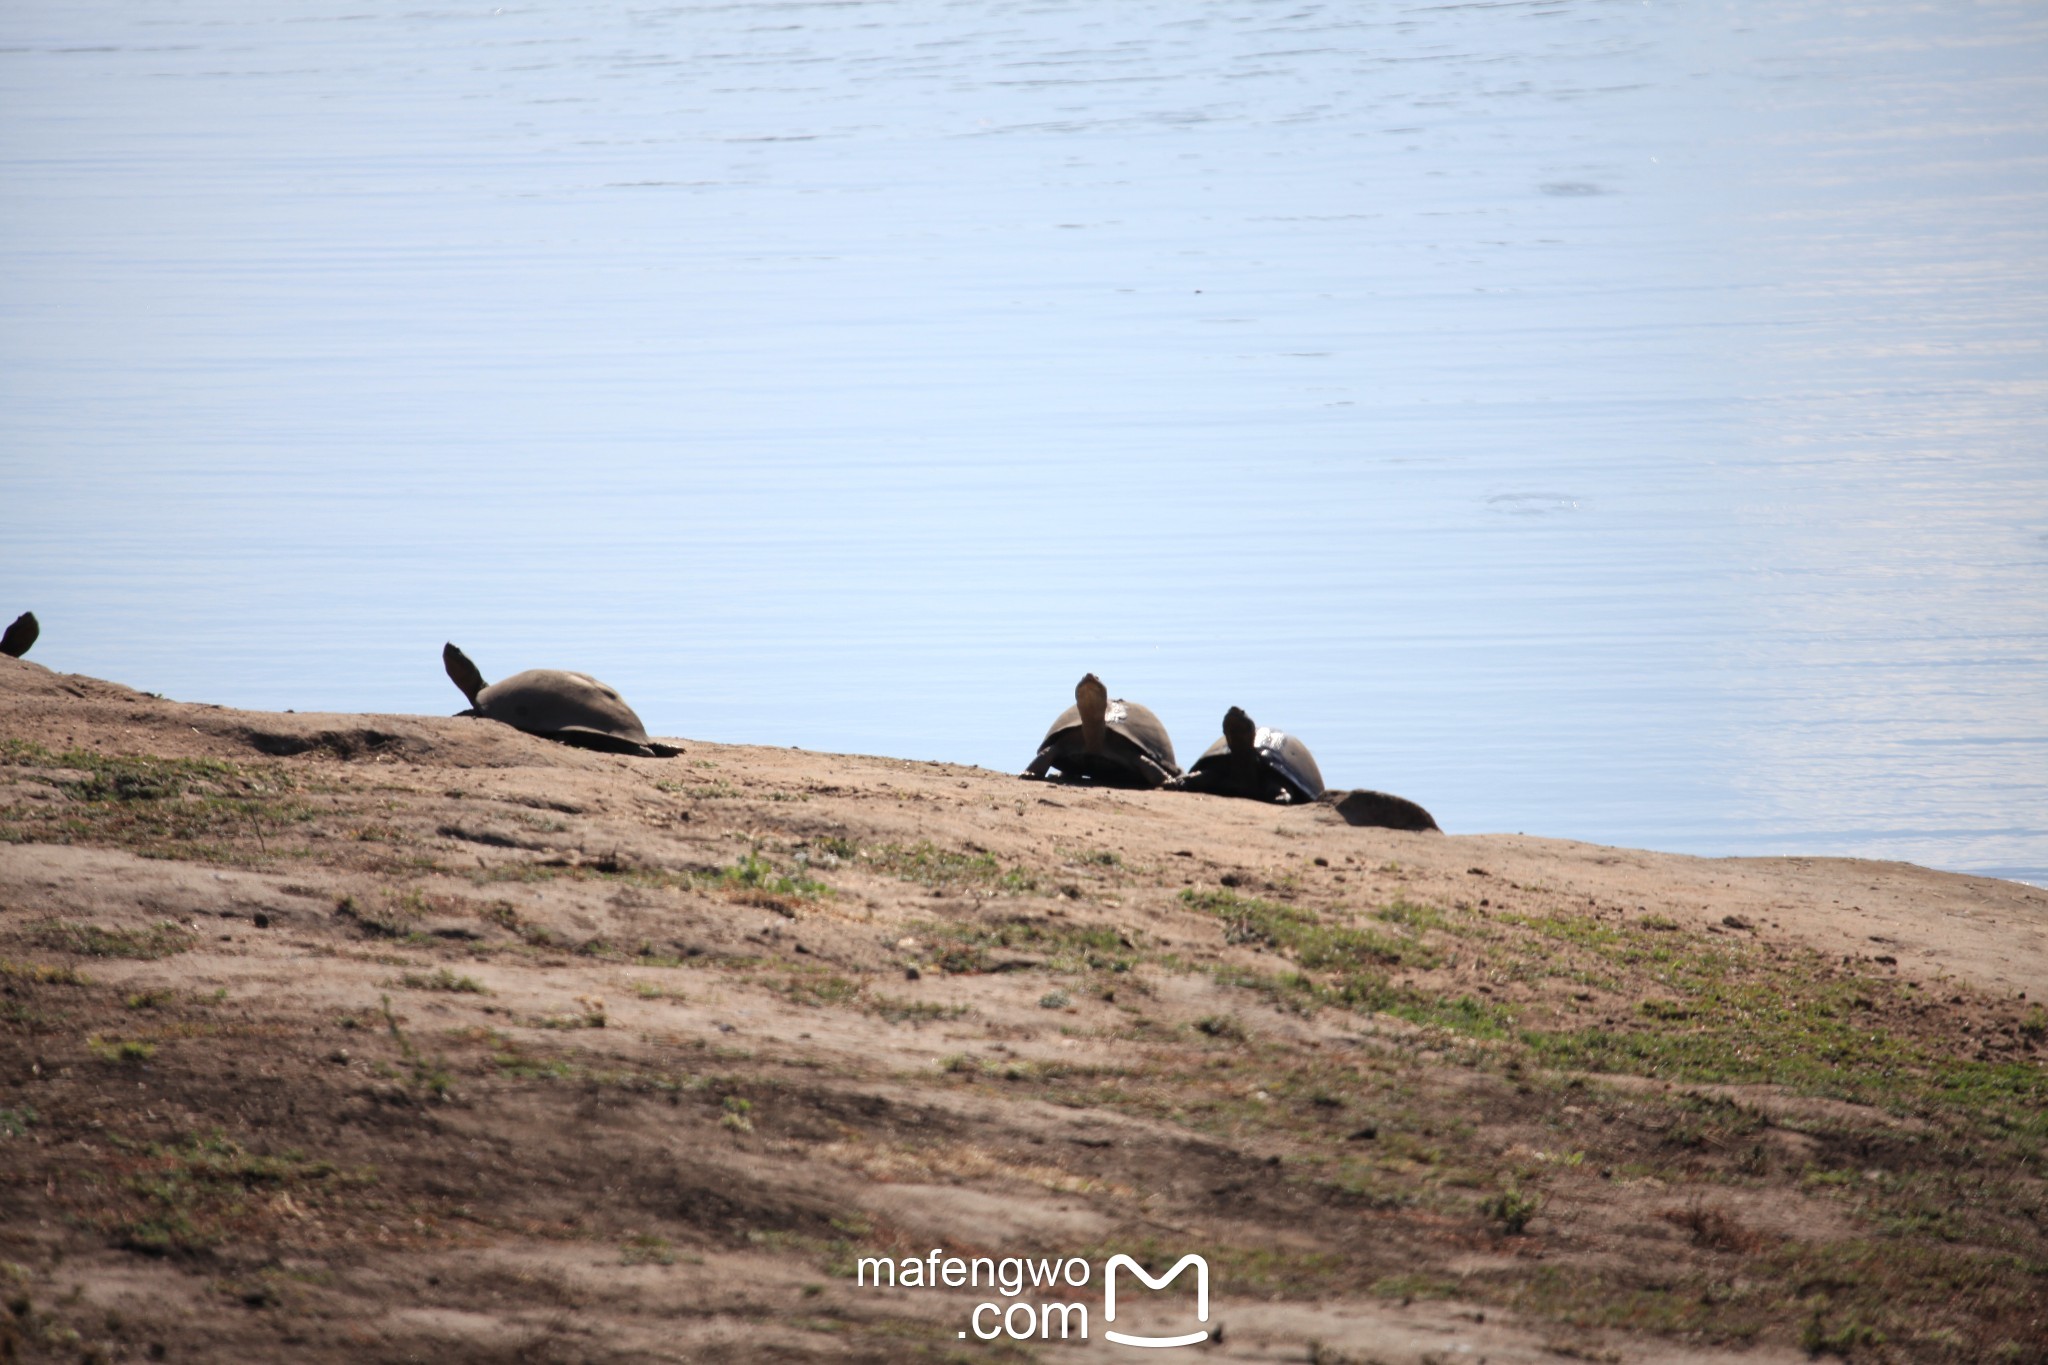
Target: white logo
point(1201, 1298)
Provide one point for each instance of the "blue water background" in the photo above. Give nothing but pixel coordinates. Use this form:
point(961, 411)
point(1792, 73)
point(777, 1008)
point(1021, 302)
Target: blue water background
point(1600, 419)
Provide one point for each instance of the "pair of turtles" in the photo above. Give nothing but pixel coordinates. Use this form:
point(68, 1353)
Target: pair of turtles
point(19, 636)
point(573, 708)
point(1122, 744)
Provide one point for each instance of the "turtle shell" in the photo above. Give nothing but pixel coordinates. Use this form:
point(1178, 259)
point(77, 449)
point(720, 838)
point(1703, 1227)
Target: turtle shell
point(1131, 729)
point(1382, 810)
point(574, 708)
point(1278, 768)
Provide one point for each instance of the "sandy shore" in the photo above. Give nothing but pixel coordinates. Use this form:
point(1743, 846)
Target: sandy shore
point(350, 1037)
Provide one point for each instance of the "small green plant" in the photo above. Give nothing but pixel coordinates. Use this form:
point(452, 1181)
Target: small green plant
point(1512, 1209)
point(898, 1011)
point(962, 959)
point(443, 980)
point(1054, 1000)
point(647, 1249)
point(431, 1076)
point(2034, 1028)
point(755, 881)
point(1817, 1338)
point(16, 1122)
point(1227, 1027)
point(738, 1114)
point(126, 1050)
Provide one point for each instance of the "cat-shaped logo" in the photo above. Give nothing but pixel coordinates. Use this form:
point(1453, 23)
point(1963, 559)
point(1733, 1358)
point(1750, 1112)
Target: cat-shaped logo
point(1201, 1299)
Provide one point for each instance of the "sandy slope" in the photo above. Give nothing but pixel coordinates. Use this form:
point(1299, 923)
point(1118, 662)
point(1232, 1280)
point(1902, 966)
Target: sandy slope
point(450, 1043)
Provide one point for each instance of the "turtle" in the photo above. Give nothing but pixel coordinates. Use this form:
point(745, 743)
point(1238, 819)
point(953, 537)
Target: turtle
point(1114, 743)
point(20, 635)
point(1383, 810)
point(1256, 763)
point(574, 708)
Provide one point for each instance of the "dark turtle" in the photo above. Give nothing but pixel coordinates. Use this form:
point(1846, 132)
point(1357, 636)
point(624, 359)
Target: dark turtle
point(1114, 743)
point(1383, 810)
point(20, 635)
point(574, 708)
point(1254, 762)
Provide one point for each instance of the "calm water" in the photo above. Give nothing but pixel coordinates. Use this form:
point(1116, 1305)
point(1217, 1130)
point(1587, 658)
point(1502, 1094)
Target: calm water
point(1611, 420)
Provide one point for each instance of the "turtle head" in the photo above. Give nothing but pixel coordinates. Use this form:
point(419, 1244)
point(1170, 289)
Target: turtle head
point(1092, 699)
point(20, 635)
point(1238, 731)
point(462, 672)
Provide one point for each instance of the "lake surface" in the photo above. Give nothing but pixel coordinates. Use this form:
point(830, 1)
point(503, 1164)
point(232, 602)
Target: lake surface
point(1619, 421)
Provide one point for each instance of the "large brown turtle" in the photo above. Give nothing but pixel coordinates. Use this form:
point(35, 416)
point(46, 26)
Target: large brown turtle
point(20, 635)
point(574, 708)
point(1257, 763)
point(1113, 743)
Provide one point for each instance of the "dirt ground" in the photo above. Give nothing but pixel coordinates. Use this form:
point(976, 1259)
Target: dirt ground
point(368, 1038)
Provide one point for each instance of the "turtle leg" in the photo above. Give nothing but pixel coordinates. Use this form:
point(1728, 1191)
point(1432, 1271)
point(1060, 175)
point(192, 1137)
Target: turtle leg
point(1035, 770)
point(1155, 775)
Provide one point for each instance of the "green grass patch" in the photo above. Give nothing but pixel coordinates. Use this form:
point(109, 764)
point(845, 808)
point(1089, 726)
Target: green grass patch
point(1093, 857)
point(512, 1061)
point(443, 980)
point(1412, 917)
point(647, 1249)
point(126, 1050)
point(1929, 1302)
point(756, 881)
point(820, 988)
point(43, 974)
point(197, 1193)
point(942, 869)
point(162, 939)
point(430, 1074)
point(181, 808)
point(1742, 1015)
point(898, 1011)
point(967, 948)
point(1341, 966)
point(1307, 937)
